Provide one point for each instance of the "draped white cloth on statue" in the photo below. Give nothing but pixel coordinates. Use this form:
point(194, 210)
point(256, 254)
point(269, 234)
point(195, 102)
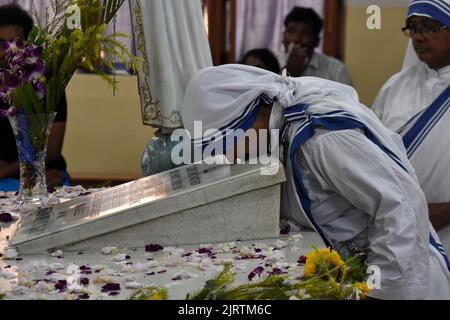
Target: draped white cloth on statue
point(260, 23)
point(170, 37)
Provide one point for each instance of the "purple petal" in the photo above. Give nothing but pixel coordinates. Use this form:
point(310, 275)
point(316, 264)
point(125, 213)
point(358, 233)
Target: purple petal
point(6, 217)
point(84, 296)
point(84, 281)
point(111, 287)
point(61, 285)
point(257, 272)
point(277, 272)
point(206, 251)
point(153, 248)
point(302, 260)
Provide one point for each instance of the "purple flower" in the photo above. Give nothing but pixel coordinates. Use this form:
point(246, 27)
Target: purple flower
point(6, 217)
point(257, 272)
point(23, 64)
point(84, 281)
point(206, 251)
point(277, 272)
point(14, 46)
point(84, 296)
point(153, 248)
point(111, 287)
point(302, 260)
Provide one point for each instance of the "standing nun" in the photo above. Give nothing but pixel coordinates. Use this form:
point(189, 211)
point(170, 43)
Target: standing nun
point(348, 176)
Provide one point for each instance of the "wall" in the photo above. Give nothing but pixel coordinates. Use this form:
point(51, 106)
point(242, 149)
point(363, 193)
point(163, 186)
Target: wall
point(105, 136)
point(373, 56)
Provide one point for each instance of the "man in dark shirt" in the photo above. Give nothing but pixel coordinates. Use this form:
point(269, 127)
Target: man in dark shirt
point(17, 23)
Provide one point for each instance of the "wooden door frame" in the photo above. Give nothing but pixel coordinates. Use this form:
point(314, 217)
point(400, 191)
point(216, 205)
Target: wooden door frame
point(333, 30)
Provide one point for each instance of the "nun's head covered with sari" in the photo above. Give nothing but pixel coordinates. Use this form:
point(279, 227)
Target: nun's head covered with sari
point(230, 97)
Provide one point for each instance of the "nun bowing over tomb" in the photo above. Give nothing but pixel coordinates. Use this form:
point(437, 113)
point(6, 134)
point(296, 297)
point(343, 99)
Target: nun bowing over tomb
point(349, 177)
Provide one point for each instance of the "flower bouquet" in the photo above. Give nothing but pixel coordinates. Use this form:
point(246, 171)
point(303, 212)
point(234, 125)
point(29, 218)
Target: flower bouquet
point(326, 277)
point(35, 72)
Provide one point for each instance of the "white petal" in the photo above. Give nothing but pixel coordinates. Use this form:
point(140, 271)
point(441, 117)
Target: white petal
point(58, 253)
point(133, 285)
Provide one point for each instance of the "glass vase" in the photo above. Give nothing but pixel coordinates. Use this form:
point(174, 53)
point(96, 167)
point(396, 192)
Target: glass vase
point(31, 132)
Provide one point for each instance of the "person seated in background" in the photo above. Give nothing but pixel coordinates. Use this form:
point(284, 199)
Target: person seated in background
point(262, 58)
point(348, 176)
point(301, 38)
point(17, 23)
point(415, 103)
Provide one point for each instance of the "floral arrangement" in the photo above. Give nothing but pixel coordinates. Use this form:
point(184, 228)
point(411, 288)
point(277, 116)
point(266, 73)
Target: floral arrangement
point(326, 276)
point(37, 70)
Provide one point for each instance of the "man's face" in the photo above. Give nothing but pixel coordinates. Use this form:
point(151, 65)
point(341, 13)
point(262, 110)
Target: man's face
point(8, 33)
point(432, 44)
point(300, 33)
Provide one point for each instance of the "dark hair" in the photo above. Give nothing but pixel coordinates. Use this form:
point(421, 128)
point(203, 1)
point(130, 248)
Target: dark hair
point(14, 15)
point(306, 15)
point(266, 56)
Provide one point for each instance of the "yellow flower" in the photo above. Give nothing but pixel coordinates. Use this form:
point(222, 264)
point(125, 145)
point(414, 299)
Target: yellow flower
point(325, 257)
point(363, 289)
point(311, 264)
point(158, 296)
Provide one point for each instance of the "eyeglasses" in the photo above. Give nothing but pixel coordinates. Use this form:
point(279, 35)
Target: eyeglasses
point(426, 30)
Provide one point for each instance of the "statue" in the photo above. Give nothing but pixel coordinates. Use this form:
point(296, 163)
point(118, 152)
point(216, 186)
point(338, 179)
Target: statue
point(170, 38)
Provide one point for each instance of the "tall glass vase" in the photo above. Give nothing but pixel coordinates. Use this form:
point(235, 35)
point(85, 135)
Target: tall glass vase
point(31, 132)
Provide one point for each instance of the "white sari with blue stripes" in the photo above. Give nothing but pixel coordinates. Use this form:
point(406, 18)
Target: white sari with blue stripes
point(416, 103)
point(349, 179)
point(427, 141)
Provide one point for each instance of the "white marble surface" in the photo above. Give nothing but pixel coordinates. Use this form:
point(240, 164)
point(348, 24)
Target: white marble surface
point(181, 269)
